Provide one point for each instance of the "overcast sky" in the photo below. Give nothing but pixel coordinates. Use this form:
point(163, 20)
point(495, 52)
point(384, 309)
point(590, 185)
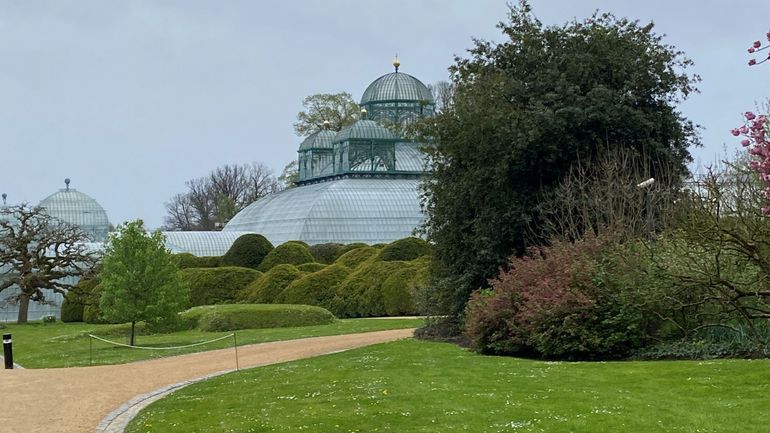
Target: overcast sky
point(132, 98)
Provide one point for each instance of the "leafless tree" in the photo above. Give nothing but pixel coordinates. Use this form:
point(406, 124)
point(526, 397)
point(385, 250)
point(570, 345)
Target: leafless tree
point(443, 92)
point(215, 198)
point(37, 252)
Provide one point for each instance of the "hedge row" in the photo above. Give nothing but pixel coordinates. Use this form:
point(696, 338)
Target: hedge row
point(217, 285)
point(217, 318)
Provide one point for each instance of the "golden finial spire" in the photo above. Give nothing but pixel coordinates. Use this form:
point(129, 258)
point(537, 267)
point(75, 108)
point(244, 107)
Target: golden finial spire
point(396, 62)
point(327, 124)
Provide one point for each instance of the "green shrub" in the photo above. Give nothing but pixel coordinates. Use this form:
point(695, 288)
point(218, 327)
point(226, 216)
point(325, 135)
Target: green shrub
point(302, 243)
point(400, 289)
point(290, 253)
point(355, 257)
point(266, 288)
point(326, 253)
point(77, 298)
point(218, 318)
point(351, 247)
point(187, 260)
point(317, 288)
point(91, 312)
point(360, 295)
point(247, 251)
point(216, 285)
point(311, 267)
point(404, 250)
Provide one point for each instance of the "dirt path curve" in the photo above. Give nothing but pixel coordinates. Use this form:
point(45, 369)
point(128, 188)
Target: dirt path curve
point(73, 400)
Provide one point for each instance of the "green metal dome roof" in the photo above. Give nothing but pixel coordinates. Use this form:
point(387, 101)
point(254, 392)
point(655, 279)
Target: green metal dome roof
point(365, 130)
point(318, 140)
point(74, 207)
point(396, 86)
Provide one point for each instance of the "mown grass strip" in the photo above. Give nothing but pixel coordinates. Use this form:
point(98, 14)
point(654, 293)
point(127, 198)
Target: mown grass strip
point(38, 345)
point(413, 386)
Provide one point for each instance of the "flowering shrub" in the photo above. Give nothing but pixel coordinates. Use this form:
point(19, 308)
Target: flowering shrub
point(756, 133)
point(555, 302)
point(756, 47)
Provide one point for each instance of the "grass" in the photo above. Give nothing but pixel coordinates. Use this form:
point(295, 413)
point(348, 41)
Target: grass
point(414, 386)
point(37, 345)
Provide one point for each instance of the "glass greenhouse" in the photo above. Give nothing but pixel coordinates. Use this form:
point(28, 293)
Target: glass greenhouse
point(360, 184)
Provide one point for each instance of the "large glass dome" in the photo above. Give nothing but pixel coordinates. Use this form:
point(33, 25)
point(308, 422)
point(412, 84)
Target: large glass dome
point(75, 207)
point(344, 211)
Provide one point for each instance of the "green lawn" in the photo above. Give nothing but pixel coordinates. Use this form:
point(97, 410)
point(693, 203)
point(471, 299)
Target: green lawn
point(38, 345)
point(413, 386)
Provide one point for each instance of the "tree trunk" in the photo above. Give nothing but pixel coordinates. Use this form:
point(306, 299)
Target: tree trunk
point(23, 308)
point(133, 328)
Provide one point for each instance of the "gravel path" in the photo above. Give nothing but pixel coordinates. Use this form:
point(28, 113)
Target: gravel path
point(72, 400)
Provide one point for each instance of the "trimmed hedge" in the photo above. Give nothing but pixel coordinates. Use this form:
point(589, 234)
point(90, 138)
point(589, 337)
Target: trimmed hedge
point(187, 260)
point(351, 247)
point(290, 253)
point(311, 267)
point(398, 291)
point(326, 253)
point(355, 257)
point(267, 287)
point(360, 295)
point(302, 243)
point(318, 288)
point(404, 250)
point(77, 298)
point(216, 285)
point(247, 251)
point(218, 318)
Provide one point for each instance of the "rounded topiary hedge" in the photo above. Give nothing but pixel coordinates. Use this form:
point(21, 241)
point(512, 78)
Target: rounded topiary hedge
point(355, 257)
point(399, 289)
point(267, 287)
point(311, 267)
point(350, 247)
point(84, 293)
point(218, 318)
point(404, 250)
point(187, 260)
point(290, 253)
point(317, 288)
point(247, 251)
point(326, 253)
point(360, 295)
point(216, 285)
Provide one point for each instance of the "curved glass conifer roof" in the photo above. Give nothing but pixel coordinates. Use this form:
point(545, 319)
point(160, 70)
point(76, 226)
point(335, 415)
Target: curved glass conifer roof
point(396, 86)
point(365, 130)
point(345, 211)
point(318, 140)
point(75, 207)
point(201, 243)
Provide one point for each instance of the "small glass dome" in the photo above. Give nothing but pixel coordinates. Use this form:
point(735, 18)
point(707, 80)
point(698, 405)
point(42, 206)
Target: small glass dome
point(75, 207)
point(318, 140)
point(396, 86)
point(365, 130)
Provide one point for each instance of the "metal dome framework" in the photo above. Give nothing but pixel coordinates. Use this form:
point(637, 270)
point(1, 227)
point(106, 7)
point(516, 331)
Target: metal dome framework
point(398, 99)
point(363, 149)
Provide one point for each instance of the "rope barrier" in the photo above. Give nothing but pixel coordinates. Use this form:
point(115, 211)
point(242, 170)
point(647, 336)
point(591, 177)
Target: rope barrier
point(160, 348)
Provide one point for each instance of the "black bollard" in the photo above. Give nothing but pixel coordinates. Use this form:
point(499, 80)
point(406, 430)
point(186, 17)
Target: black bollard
point(8, 351)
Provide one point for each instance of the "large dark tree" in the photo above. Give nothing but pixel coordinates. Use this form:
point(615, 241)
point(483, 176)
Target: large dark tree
point(523, 111)
point(37, 252)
